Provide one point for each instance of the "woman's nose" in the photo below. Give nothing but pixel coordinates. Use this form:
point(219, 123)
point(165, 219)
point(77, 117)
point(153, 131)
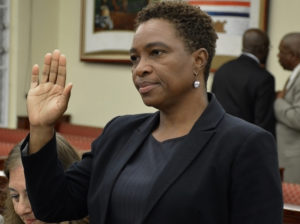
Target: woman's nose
point(23, 207)
point(142, 68)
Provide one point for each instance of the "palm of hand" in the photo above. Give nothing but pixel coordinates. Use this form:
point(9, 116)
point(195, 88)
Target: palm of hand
point(46, 103)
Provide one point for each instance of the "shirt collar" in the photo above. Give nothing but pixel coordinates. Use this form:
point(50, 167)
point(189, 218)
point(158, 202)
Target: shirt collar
point(251, 56)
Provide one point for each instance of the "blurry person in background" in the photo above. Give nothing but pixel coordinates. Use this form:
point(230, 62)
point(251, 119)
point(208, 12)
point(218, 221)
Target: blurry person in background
point(287, 109)
point(17, 205)
point(244, 87)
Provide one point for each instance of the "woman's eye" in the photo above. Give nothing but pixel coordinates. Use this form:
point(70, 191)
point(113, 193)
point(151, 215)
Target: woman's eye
point(156, 52)
point(133, 58)
point(14, 197)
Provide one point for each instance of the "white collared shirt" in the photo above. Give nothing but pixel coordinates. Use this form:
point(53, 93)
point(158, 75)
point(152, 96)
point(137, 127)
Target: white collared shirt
point(251, 56)
point(293, 76)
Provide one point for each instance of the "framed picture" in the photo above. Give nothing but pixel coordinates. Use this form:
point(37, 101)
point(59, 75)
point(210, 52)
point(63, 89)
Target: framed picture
point(108, 26)
point(231, 19)
point(107, 29)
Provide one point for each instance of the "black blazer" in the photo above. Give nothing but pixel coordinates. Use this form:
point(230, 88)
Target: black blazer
point(247, 91)
point(225, 173)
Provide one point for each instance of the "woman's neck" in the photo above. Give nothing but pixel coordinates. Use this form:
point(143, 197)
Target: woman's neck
point(178, 121)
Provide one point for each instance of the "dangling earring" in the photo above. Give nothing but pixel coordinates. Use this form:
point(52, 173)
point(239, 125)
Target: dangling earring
point(196, 82)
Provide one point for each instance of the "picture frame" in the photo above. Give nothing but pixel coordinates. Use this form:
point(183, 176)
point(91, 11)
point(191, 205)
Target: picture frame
point(107, 29)
point(234, 17)
point(110, 43)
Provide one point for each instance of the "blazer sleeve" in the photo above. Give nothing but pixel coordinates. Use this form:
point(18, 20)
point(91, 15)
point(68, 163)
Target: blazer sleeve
point(56, 195)
point(288, 112)
point(256, 169)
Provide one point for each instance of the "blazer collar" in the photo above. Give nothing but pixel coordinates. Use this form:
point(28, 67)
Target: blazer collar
point(209, 119)
point(249, 59)
point(192, 145)
point(293, 77)
point(252, 56)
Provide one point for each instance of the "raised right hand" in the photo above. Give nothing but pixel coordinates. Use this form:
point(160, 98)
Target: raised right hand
point(48, 96)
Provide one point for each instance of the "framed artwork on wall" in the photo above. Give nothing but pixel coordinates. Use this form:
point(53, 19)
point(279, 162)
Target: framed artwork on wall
point(108, 26)
point(107, 29)
point(231, 19)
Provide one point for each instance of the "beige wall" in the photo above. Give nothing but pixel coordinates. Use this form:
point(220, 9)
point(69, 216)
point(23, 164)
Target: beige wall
point(19, 57)
point(101, 91)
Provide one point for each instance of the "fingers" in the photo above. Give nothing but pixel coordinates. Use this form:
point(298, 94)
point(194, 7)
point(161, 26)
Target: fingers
point(46, 68)
point(54, 69)
point(54, 66)
point(61, 75)
point(35, 76)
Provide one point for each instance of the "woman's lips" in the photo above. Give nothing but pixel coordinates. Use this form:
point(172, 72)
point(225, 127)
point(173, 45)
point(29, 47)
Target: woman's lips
point(145, 89)
point(30, 221)
point(145, 86)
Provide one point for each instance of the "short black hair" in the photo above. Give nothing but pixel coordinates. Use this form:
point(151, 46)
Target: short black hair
point(193, 25)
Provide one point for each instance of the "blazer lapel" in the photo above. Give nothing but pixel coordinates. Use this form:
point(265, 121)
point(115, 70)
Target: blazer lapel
point(293, 83)
point(122, 157)
point(192, 146)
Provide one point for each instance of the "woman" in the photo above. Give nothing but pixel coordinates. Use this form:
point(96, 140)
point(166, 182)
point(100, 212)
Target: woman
point(17, 206)
point(189, 162)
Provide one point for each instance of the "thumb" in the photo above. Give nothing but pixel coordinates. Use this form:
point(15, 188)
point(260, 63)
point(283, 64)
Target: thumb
point(67, 91)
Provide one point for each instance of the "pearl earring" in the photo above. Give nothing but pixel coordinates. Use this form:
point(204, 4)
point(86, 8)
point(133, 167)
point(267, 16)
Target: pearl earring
point(196, 82)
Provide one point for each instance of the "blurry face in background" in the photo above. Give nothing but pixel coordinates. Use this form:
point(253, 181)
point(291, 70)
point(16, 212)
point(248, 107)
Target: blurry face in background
point(284, 56)
point(19, 197)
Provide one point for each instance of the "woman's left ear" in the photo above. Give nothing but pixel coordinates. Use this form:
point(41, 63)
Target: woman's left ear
point(200, 58)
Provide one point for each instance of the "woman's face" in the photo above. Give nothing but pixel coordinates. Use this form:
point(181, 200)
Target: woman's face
point(162, 67)
point(19, 197)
